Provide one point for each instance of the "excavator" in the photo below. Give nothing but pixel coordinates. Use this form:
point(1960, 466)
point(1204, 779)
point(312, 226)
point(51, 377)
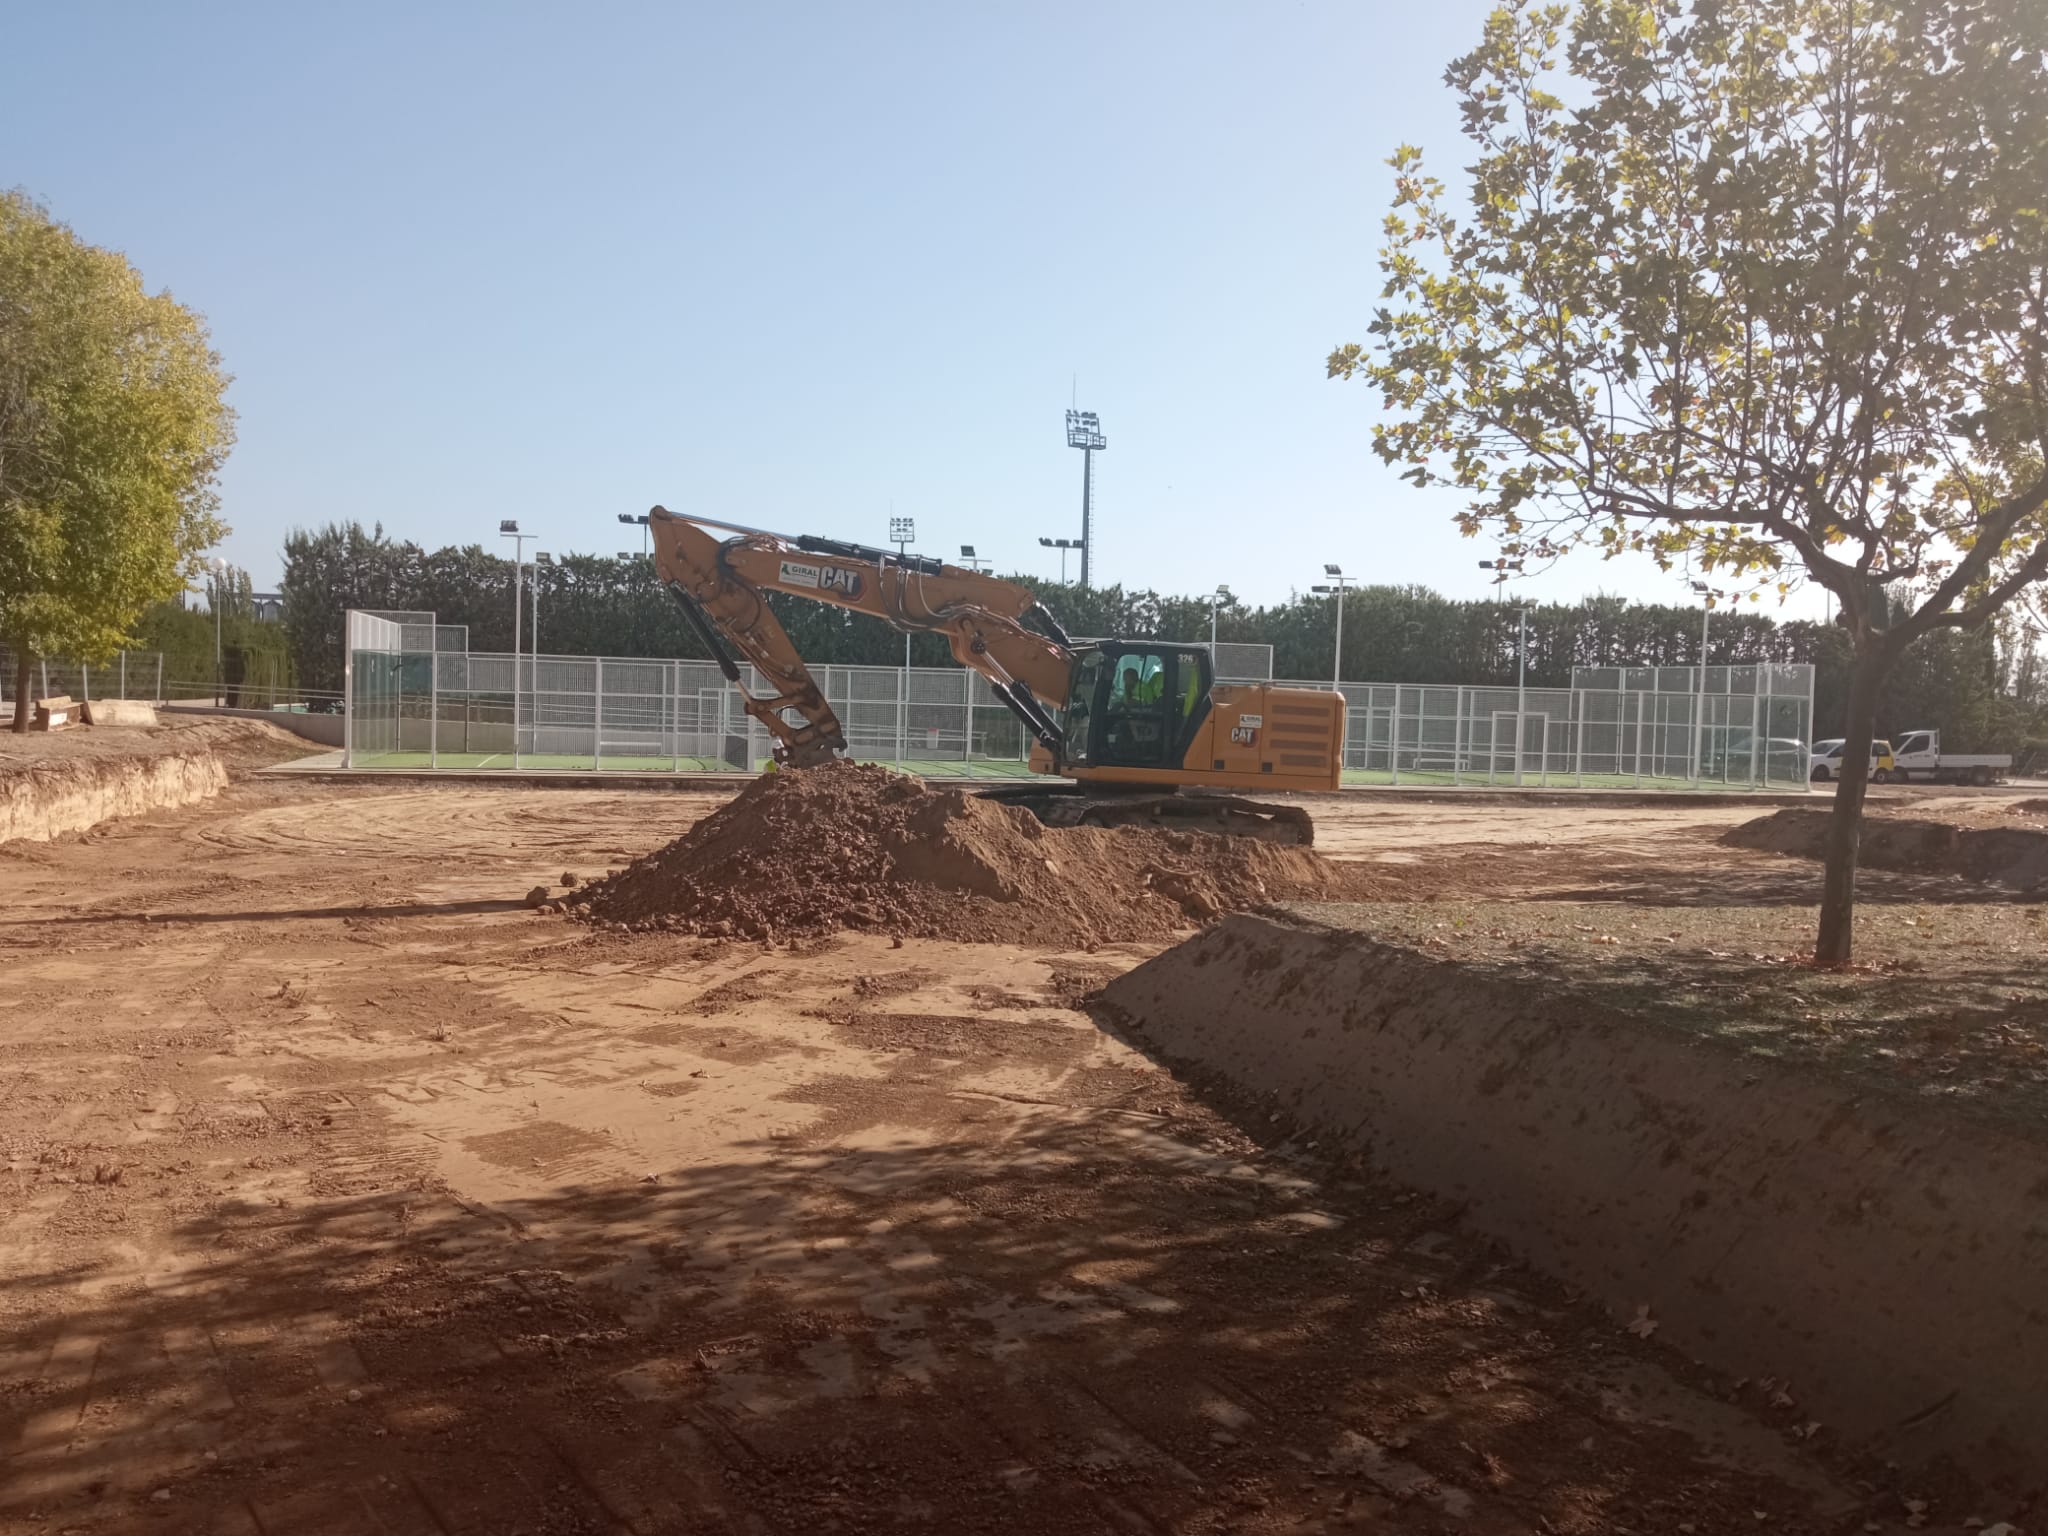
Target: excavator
point(1139, 729)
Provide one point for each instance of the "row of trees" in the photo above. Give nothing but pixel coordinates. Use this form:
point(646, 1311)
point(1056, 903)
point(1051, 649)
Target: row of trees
point(1984, 689)
point(254, 654)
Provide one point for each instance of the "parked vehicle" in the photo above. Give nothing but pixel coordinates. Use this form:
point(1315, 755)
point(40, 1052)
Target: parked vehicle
point(1776, 759)
point(1826, 762)
point(1919, 756)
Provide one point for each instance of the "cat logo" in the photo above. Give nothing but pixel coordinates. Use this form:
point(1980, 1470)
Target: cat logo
point(824, 578)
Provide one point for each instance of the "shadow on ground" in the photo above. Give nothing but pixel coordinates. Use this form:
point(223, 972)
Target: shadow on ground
point(1097, 1325)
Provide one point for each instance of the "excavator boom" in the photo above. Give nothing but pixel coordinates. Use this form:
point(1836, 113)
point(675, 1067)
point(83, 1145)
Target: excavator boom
point(722, 582)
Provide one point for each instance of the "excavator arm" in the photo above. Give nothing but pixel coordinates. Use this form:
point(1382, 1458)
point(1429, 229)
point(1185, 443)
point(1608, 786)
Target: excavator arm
point(722, 583)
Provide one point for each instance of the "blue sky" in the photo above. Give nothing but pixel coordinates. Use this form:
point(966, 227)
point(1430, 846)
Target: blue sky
point(789, 264)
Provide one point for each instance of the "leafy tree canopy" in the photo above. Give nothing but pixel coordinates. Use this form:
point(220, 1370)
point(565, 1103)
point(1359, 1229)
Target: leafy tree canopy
point(113, 426)
point(1757, 286)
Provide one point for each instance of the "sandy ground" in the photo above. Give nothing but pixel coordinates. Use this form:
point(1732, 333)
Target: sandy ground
point(342, 1194)
point(243, 743)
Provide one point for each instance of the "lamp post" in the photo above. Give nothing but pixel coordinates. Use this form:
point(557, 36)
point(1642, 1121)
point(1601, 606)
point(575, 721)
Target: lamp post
point(1334, 589)
point(641, 519)
point(1084, 432)
point(508, 528)
point(1216, 600)
point(1699, 723)
point(901, 531)
point(1503, 567)
point(1063, 545)
point(219, 567)
point(540, 558)
point(977, 564)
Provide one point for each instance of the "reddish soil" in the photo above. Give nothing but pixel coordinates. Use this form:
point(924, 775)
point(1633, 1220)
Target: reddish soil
point(801, 854)
point(1637, 1111)
point(339, 1193)
point(1976, 846)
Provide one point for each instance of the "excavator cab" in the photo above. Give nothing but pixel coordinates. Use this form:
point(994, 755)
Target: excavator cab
point(1135, 704)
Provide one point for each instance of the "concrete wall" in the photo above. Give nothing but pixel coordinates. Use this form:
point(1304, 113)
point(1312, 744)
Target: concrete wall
point(325, 729)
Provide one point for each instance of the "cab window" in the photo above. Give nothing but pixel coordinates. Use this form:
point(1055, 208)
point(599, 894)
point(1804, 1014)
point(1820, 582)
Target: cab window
point(1134, 714)
point(1080, 719)
point(1913, 744)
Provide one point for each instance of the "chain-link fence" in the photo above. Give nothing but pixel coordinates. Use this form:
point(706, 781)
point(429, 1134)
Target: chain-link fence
point(1651, 727)
point(419, 699)
point(125, 675)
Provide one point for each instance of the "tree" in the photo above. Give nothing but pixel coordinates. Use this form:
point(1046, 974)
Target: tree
point(1765, 296)
point(112, 428)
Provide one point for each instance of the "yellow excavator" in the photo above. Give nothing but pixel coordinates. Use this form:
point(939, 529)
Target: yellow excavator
point(1135, 724)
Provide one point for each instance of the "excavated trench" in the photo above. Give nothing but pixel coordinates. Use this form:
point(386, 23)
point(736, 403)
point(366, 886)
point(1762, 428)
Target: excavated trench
point(1873, 1256)
point(42, 800)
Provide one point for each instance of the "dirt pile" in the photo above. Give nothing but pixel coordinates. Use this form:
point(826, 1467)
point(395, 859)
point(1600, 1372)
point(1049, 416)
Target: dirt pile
point(854, 846)
point(1755, 1213)
point(2013, 856)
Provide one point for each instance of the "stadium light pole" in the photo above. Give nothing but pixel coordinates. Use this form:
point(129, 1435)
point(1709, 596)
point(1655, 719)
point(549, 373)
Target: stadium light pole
point(1216, 600)
point(1084, 432)
point(972, 561)
point(1335, 591)
point(901, 531)
point(1063, 545)
point(1699, 723)
point(540, 558)
point(219, 566)
point(1503, 567)
point(641, 519)
point(509, 529)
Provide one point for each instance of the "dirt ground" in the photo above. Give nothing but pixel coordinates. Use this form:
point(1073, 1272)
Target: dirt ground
point(242, 743)
point(343, 1194)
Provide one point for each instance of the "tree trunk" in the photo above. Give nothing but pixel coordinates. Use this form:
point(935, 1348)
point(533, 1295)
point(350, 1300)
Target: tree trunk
point(1845, 824)
point(24, 711)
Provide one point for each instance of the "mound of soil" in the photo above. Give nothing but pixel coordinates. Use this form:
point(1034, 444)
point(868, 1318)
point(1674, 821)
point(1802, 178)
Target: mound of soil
point(2012, 856)
point(850, 845)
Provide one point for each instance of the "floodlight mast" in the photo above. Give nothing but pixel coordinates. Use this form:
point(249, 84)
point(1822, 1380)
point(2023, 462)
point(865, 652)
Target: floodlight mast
point(1084, 431)
point(1335, 589)
point(1217, 599)
point(1504, 566)
point(901, 531)
point(1063, 545)
point(1699, 735)
point(508, 528)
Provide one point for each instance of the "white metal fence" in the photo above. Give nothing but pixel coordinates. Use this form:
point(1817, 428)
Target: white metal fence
point(418, 699)
point(1738, 727)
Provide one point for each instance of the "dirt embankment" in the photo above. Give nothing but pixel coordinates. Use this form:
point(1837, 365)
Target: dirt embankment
point(1998, 855)
point(1866, 1263)
point(72, 780)
point(855, 846)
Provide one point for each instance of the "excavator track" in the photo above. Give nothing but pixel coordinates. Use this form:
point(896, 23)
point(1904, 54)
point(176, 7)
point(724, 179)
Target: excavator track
point(1222, 815)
